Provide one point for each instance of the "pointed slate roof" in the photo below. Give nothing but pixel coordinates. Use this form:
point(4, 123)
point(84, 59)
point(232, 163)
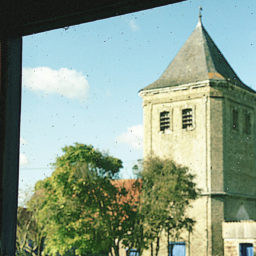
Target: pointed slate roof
point(198, 60)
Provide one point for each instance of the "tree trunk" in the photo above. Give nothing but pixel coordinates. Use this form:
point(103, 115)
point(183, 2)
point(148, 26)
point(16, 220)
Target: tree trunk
point(157, 246)
point(171, 250)
point(151, 249)
point(39, 244)
point(168, 240)
point(116, 249)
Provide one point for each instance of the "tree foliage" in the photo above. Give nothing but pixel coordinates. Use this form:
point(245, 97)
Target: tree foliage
point(82, 211)
point(24, 231)
point(167, 191)
point(30, 235)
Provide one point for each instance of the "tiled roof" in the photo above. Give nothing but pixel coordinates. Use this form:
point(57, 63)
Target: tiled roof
point(198, 60)
point(131, 185)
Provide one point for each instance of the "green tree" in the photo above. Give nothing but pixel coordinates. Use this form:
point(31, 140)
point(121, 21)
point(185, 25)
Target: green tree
point(83, 211)
point(29, 236)
point(166, 193)
point(24, 226)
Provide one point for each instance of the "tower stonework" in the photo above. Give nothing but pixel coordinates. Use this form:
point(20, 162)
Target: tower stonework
point(201, 115)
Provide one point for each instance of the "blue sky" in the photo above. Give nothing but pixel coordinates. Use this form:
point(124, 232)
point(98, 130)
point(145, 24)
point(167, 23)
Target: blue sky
point(81, 83)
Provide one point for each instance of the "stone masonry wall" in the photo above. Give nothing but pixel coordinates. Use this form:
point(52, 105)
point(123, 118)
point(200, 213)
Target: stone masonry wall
point(231, 246)
point(235, 233)
point(222, 158)
point(189, 147)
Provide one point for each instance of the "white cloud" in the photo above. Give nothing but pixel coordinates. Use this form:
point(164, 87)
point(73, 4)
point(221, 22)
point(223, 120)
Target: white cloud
point(133, 137)
point(23, 159)
point(133, 25)
point(23, 141)
point(66, 82)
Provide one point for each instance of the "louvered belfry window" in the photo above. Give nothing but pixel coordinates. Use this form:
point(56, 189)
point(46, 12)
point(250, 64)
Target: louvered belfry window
point(235, 119)
point(187, 118)
point(164, 120)
point(247, 123)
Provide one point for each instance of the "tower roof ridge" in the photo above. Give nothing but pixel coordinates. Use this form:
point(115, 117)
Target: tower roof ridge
point(199, 59)
point(218, 67)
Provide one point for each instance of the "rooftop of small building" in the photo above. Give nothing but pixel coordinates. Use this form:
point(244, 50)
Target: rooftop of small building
point(198, 60)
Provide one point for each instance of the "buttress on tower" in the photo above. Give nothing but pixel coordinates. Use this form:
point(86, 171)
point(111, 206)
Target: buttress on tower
point(201, 115)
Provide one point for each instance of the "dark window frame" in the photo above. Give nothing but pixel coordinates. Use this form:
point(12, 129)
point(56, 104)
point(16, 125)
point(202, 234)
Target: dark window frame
point(171, 246)
point(243, 249)
point(132, 252)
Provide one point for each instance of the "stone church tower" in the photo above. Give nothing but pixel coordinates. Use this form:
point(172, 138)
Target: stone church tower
point(201, 115)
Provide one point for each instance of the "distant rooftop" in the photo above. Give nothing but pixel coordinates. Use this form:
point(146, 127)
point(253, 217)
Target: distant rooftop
point(198, 60)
